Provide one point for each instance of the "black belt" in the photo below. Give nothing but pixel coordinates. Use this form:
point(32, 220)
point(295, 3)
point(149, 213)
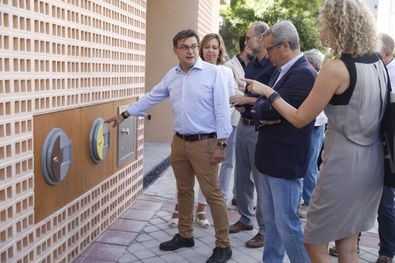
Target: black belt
point(248, 122)
point(197, 137)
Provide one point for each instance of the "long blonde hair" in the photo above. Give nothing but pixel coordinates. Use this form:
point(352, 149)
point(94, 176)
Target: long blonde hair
point(349, 26)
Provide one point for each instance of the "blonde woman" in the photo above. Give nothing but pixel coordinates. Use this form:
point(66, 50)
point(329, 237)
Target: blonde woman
point(351, 89)
point(211, 50)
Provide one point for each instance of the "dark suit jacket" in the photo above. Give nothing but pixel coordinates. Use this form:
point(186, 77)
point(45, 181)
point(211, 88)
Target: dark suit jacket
point(282, 150)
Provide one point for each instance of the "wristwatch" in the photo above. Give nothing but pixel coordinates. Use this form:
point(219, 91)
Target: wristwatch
point(125, 115)
point(222, 144)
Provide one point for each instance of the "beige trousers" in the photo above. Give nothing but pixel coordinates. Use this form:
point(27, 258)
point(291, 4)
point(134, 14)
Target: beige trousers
point(194, 158)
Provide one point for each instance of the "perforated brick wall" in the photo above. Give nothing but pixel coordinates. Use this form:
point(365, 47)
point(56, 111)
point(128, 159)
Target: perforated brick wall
point(57, 55)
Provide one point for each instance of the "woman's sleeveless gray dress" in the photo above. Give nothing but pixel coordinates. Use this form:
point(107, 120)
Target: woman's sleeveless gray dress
point(350, 183)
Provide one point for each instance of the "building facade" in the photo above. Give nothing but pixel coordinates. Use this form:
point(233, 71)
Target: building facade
point(65, 66)
point(386, 17)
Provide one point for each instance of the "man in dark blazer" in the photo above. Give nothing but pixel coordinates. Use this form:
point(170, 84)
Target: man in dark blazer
point(282, 150)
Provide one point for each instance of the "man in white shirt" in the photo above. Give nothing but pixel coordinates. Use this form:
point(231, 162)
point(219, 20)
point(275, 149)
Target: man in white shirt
point(199, 99)
point(237, 64)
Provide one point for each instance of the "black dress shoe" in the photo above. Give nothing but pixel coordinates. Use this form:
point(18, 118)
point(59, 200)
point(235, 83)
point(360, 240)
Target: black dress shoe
point(176, 243)
point(220, 255)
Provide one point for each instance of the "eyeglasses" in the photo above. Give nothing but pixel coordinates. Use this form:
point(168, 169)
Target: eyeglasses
point(269, 49)
point(187, 48)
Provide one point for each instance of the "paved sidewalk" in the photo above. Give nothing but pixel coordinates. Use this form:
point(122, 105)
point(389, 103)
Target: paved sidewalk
point(136, 235)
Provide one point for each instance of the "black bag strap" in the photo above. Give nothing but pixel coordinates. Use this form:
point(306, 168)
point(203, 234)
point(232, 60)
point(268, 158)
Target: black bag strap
point(387, 130)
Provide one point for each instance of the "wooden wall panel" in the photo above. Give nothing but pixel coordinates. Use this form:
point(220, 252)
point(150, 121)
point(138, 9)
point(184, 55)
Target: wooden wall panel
point(93, 173)
point(47, 198)
point(83, 173)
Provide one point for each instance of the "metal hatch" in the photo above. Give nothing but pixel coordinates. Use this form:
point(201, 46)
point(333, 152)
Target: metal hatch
point(126, 138)
point(56, 156)
point(99, 140)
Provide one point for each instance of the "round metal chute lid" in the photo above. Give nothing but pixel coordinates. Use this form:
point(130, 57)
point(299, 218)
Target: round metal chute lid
point(56, 156)
point(99, 140)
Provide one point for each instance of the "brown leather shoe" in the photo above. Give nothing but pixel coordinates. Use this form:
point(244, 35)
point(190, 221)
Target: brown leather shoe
point(239, 226)
point(257, 241)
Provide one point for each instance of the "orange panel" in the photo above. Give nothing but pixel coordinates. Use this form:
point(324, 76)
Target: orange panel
point(93, 173)
point(50, 198)
point(83, 173)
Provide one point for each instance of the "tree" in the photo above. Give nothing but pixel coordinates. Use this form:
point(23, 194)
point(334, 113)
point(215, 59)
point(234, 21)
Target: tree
point(240, 13)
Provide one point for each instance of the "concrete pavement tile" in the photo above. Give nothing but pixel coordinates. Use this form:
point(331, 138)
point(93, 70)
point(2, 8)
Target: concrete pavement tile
point(253, 252)
point(161, 235)
point(245, 258)
point(104, 251)
point(79, 259)
point(150, 229)
point(173, 258)
point(236, 252)
point(171, 231)
point(245, 235)
point(117, 237)
point(138, 214)
point(286, 259)
point(373, 251)
point(127, 258)
point(142, 254)
point(151, 244)
point(198, 259)
point(157, 221)
point(236, 242)
point(367, 257)
point(154, 260)
point(370, 240)
point(163, 214)
point(147, 197)
point(199, 243)
point(233, 218)
point(135, 247)
point(364, 261)
point(162, 226)
point(95, 260)
point(231, 261)
point(128, 225)
point(199, 232)
point(147, 205)
point(143, 237)
point(209, 240)
point(204, 250)
point(167, 206)
point(189, 253)
point(159, 252)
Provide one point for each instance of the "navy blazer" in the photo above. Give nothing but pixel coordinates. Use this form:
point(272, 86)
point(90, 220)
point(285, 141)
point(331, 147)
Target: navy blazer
point(282, 149)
